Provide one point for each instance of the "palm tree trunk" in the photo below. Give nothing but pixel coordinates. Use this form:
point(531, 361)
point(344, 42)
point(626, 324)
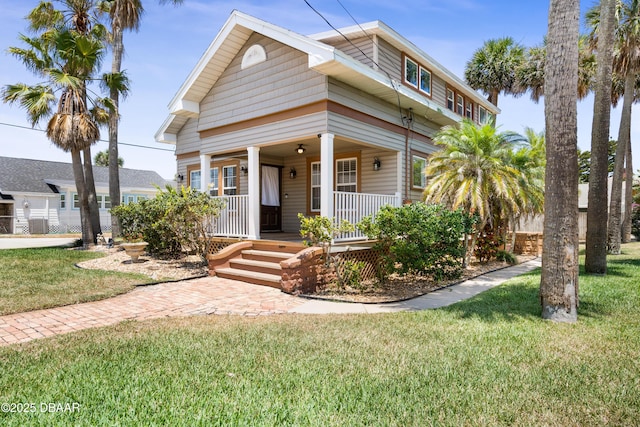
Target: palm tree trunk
point(92, 199)
point(114, 168)
point(78, 174)
point(559, 280)
point(596, 242)
point(628, 197)
point(614, 231)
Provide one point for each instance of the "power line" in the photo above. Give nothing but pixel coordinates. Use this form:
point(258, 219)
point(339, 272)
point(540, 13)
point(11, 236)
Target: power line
point(100, 140)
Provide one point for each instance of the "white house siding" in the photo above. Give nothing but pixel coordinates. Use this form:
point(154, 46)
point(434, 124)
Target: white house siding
point(282, 82)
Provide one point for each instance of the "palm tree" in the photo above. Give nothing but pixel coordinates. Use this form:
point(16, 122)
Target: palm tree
point(626, 65)
point(530, 73)
point(596, 250)
point(492, 68)
point(559, 280)
point(123, 15)
point(474, 171)
point(67, 53)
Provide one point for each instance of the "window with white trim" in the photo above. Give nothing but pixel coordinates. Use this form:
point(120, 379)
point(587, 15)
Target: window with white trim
point(483, 115)
point(410, 72)
point(76, 201)
point(230, 186)
point(315, 187)
point(425, 81)
point(450, 99)
point(460, 104)
point(214, 184)
point(347, 175)
point(194, 180)
point(468, 110)
point(419, 179)
point(63, 201)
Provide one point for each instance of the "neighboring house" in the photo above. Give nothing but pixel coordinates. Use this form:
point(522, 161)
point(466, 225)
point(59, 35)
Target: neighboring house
point(39, 196)
point(279, 123)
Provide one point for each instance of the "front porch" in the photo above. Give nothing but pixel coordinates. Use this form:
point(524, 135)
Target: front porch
point(266, 187)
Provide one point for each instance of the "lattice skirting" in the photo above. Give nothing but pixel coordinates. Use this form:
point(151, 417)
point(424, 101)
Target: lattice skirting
point(369, 256)
point(216, 244)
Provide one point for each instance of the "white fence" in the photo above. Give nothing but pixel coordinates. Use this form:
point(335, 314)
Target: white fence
point(353, 207)
point(233, 220)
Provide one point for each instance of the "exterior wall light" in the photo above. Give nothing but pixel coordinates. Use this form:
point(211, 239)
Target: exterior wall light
point(376, 164)
point(292, 173)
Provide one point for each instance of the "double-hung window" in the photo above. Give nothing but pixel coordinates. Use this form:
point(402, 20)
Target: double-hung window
point(419, 179)
point(469, 110)
point(347, 175)
point(230, 183)
point(450, 100)
point(194, 180)
point(315, 187)
point(460, 104)
point(483, 115)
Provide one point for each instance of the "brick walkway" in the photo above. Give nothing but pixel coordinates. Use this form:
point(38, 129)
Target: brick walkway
point(210, 295)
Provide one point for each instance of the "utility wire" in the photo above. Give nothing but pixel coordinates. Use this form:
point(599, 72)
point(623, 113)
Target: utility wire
point(100, 140)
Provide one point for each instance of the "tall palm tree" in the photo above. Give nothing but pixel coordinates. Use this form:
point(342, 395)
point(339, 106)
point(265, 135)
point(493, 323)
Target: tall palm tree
point(66, 59)
point(530, 73)
point(474, 171)
point(559, 280)
point(492, 68)
point(123, 15)
point(596, 250)
point(626, 65)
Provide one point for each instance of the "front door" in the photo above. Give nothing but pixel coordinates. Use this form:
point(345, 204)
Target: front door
point(270, 215)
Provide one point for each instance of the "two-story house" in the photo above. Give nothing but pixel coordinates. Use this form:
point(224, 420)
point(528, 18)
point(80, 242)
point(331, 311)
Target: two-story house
point(336, 124)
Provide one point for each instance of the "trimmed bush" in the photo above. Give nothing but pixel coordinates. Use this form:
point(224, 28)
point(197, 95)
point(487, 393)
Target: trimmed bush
point(420, 238)
point(173, 222)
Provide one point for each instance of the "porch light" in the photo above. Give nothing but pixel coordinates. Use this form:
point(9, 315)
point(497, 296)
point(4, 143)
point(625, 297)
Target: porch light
point(300, 149)
point(244, 169)
point(292, 173)
point(376, 164)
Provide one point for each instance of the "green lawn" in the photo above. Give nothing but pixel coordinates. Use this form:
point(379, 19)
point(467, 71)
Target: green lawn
point(490, 360)
point(31, 279)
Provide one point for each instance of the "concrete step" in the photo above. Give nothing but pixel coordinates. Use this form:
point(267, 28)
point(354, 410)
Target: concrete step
point(257, 266)
point(256, 278)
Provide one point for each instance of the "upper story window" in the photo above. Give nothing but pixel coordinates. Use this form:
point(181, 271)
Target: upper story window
point(417, 76)
point(460, 104)
point(483, 115)
point(450, 99)
point(468, 110)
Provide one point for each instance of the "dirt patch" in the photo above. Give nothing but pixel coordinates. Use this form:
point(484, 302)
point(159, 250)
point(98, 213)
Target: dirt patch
point(116, 259)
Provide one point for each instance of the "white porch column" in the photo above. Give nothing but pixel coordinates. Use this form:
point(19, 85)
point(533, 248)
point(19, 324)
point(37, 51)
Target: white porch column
point(205, 172)
point(326, 175)
point(253, 179)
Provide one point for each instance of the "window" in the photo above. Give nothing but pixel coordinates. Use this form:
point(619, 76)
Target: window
point(425, 81)
point(483, 115)
point(419, 179)
point(76, 201)
point(63, 201)
point(194, 180)
point(213, 187)
point(460, 104)
point(230, 187)
point(469, 110)
point(315, 187)
point(128, 198)
point(107, 202)
point(410, 72)
point(346, 175)
point(450, 99)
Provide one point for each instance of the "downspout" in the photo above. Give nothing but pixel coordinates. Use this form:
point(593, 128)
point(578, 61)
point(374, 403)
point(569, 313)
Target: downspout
point(407, 120)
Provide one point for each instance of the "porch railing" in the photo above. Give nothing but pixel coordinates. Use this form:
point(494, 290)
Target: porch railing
point(353, 207)
point(233, 220)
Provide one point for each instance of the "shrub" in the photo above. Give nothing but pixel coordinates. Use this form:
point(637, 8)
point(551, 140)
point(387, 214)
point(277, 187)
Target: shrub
point(507, 257)
point(172, 222)
point(488, 243)
point(419, 238)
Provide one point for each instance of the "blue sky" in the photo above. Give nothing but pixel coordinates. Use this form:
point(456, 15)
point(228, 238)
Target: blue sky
point(171, 40)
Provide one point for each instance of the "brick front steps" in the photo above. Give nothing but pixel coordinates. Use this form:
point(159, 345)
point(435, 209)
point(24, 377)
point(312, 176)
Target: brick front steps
point(288, 266)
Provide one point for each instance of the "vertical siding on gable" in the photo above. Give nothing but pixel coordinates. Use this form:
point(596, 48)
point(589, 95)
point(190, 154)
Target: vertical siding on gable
point(282, 82)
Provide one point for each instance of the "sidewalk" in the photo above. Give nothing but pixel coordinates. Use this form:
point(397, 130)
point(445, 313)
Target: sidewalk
point(214, 295)
point(35, 242)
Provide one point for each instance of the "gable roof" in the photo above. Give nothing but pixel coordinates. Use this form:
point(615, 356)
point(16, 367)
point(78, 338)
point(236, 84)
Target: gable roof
point(322, 57)
point(40, 176)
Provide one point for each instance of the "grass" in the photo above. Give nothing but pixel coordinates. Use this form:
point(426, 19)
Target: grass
point(489, 360)
point(32, 279)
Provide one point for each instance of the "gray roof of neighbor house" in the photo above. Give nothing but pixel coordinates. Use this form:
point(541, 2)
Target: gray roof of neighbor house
point(38, 176)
